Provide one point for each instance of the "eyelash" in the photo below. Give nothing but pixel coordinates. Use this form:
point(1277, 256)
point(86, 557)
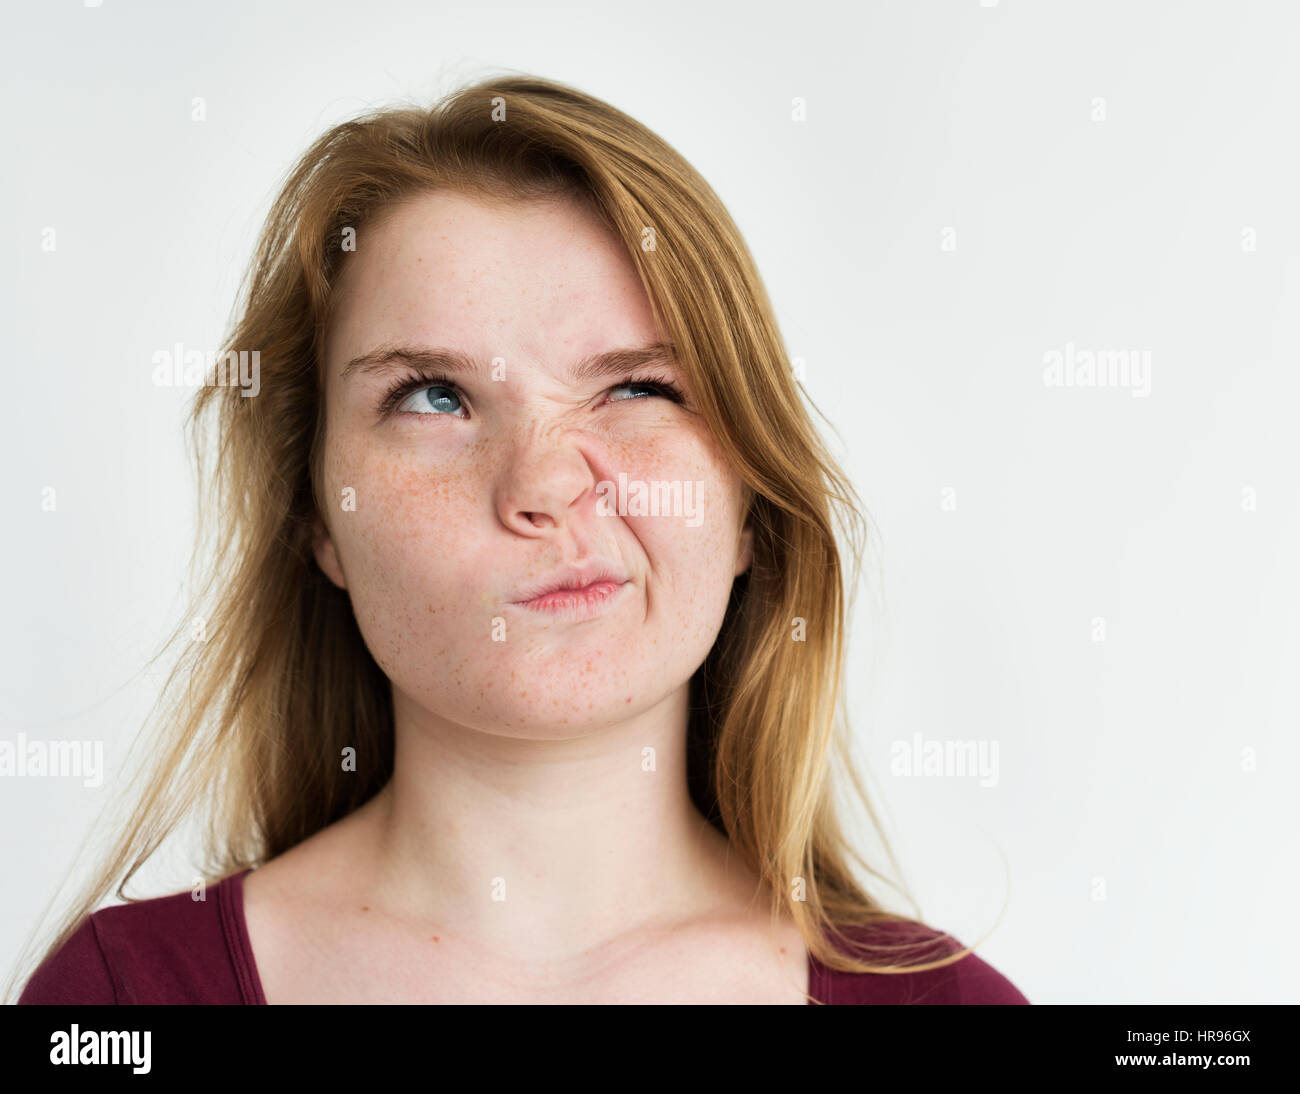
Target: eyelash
point(411, 384)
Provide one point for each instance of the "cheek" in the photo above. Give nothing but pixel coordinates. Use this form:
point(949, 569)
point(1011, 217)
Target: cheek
point(687, 480)
point(690, 549)
point(411, 550)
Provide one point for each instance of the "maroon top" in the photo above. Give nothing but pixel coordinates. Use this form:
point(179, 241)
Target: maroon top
point(176, 950)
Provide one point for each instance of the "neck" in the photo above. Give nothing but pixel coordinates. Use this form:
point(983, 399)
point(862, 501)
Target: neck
point(549, 847)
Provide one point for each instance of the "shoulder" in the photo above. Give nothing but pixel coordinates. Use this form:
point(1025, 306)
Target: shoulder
point(968, 980)
point(77, 972)
point(169, 949)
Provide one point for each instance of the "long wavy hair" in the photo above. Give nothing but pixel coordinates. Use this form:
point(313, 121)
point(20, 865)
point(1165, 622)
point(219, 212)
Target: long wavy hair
point(273, 677)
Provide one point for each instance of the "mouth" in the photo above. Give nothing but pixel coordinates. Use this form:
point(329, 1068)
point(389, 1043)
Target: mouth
point(575, 593)
point(585, 601)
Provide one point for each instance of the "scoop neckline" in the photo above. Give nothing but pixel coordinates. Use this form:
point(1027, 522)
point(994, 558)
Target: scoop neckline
point(241, 945)
point(250, 981)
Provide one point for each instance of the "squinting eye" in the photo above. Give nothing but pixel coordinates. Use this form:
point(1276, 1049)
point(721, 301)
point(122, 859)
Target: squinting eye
point(435, 399)
point(647, 387)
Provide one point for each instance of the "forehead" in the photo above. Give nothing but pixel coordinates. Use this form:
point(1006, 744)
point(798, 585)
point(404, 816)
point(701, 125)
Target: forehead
point(539, 280)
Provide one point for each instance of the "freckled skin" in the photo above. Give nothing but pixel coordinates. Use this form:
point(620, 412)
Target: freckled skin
point(456, 515)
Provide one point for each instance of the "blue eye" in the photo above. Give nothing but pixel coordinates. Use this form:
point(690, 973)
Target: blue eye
point(662, 388)
point(434, 396)
point(434, 399)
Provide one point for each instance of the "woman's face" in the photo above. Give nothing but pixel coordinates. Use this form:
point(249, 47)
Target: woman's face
point(461, 485)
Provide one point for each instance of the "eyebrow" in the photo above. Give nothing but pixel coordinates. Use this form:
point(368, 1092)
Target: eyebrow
point(614, 362)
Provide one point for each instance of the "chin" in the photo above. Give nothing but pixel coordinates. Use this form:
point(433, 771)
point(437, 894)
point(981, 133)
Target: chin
point(555, 709)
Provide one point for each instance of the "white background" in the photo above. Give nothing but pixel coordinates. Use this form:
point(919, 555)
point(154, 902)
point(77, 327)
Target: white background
point(1124, 764)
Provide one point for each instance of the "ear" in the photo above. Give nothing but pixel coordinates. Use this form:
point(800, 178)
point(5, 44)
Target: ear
point(745, 554)
point(322, 546)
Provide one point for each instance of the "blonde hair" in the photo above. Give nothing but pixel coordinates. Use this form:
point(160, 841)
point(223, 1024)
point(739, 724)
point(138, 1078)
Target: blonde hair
point(254, 716)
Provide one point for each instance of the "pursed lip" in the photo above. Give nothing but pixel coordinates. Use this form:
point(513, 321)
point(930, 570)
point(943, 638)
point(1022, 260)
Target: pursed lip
point(572, 579)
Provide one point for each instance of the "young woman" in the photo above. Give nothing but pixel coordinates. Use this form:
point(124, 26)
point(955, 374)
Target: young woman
point(520, 677)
